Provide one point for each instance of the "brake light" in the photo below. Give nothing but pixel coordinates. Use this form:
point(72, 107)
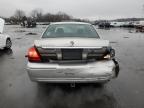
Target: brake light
point(111, 54)
point(33, 55)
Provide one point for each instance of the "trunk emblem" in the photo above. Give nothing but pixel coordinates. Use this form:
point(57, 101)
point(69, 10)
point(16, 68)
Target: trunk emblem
point(72, 43)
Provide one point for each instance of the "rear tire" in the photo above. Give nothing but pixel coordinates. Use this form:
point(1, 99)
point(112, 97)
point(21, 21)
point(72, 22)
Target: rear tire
point(8, 44)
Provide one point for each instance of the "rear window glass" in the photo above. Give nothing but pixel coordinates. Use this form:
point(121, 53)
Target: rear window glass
point(70, 30)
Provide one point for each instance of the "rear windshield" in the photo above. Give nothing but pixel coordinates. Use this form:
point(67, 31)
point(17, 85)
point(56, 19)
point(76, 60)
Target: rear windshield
point(70, 30)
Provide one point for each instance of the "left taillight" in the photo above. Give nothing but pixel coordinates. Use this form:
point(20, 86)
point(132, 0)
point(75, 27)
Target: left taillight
point(33, 55)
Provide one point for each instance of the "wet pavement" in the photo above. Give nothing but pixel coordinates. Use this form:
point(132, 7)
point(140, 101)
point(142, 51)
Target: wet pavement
point(127, 91)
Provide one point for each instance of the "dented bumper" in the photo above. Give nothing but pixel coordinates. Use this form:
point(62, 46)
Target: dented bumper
point(99, 71)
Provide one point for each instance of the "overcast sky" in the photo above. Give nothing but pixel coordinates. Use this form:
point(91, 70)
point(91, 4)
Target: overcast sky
point(90, 9)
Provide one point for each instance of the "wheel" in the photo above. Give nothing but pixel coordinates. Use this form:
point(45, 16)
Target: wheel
point(8, 44)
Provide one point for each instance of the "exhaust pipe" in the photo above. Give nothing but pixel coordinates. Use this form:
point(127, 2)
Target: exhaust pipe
point(72, 85)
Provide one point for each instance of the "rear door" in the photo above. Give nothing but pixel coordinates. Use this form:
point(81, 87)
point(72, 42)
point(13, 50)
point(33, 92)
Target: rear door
point(1, 25)
point(1, 31)
point(1, 41)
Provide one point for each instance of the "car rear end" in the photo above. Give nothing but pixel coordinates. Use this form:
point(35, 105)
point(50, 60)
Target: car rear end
point(70, 65)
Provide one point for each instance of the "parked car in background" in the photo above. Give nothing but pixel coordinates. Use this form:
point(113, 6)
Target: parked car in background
point(129, 24)
point(139, 26)
point(104, 25)
point(5, 40)
point(116, 24)
point(71, 52)
point(28, 22)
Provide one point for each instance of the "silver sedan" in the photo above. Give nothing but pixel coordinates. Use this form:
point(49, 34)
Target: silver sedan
point(71, 52)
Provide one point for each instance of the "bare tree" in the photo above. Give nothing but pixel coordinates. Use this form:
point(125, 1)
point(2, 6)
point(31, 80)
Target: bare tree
point(33, 13)
point(63, 16)
point(37, 13)
point(19, 14)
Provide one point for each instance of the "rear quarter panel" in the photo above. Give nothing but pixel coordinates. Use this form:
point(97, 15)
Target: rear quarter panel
point(3, 38)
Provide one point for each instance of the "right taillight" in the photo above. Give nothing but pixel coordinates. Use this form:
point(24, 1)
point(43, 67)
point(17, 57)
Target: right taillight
point(110, 54)
point(33, 55)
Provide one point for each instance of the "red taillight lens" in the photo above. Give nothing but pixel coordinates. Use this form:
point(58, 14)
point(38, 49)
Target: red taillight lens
point(33, 55)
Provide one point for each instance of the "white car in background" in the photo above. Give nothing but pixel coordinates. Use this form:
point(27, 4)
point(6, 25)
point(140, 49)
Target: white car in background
point(117, 24)
point(5, 40)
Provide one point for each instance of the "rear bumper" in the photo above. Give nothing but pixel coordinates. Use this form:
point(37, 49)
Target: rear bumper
point(100, 71)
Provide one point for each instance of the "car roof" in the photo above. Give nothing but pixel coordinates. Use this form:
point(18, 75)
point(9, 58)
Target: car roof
point(70, 23)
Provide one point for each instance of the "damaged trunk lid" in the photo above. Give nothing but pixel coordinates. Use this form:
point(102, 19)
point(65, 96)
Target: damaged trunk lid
point(74, 49)
point(71, 43)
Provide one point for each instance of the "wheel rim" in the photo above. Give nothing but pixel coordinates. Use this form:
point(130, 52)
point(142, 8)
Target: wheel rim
point(8, 43)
